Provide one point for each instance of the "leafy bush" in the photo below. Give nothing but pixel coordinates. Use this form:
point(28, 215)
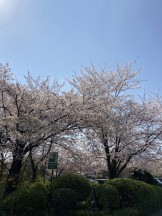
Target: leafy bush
point(144, 176)
point(2, 213)
point(151, 199)
point(64, 200)
point(107, 196)
point(29, 212)
point(33, 197)
point(87, 213)
point(122, 212)
point(126, 189)
point(83, 205)
point(158, 196)
point(145, 201)
point(38, 186)
point(140, 195)
point(75, 182)
point(2, 188)
point(126, 212)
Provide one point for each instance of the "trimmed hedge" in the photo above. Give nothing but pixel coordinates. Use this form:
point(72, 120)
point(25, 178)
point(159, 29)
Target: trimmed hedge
point(107, 196)
point(88, 213)
point(75, 182)
point(138, 198)
point(64, 200)
point(126, 188)
point(136, 194)
point(33, 198)
point(126, 212)
point(158, 196)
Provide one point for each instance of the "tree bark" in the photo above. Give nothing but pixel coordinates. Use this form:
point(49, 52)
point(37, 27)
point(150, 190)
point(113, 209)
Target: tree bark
point(113, 172)
point(111, 163)
point(13, 176)
point(2, 170)
point(33, 166)
point(15, 169)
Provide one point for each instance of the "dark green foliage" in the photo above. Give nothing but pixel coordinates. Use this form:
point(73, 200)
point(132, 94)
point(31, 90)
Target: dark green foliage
point(35, 186)
point(31, 197)
point(126, 212)
point(143, 175)
point(107, 196)
point(75, 182)
point(29, 212)
point(127, 190)
point(82, 205)
point(146, 197)
point(64, 200)
point(122, 212)
point(152, 200)
point(138, 194)
point(158, 196)
point(138, 198)
point(88, 213)
point(2, 187)
point(2, 213)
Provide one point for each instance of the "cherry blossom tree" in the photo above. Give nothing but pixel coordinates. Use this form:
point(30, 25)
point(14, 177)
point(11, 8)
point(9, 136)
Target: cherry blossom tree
point(118, 127)
point(125, 126)
point(31, 114)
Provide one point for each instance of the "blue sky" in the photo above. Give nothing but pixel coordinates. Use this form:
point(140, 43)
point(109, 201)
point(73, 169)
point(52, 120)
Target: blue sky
point(56, 37)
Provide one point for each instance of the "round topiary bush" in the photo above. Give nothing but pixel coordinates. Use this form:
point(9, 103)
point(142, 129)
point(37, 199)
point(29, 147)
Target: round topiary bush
point(150, 199)
point(127, 190)
point(75, 182)
point(136, 194)
point(33, 196)
point(64, 200)
point(145, 201)
point(107, 196)
point(157, 190)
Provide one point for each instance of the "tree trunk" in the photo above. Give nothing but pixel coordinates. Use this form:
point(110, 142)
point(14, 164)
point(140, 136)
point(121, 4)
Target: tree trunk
point(111, 164)
point(2, 170)
point(34, 167)
point(113, 169)
point(34, 173)
point(13, 175)
point(2, 166)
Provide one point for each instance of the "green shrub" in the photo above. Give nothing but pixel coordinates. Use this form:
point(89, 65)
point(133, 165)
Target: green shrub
point(82, 205)
point(2, 188)
point(126, 212)
point(64, 200)
point(140, 195)
point(88, 213)
point(32, 197)
point(145, 202)
point(39, 186)
point(75, 182)
point(126, 189)
point(158, 196)
point(2, 213)
point(30, 212)
point(144, 176)
point(107, 196)
point(150, 199)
